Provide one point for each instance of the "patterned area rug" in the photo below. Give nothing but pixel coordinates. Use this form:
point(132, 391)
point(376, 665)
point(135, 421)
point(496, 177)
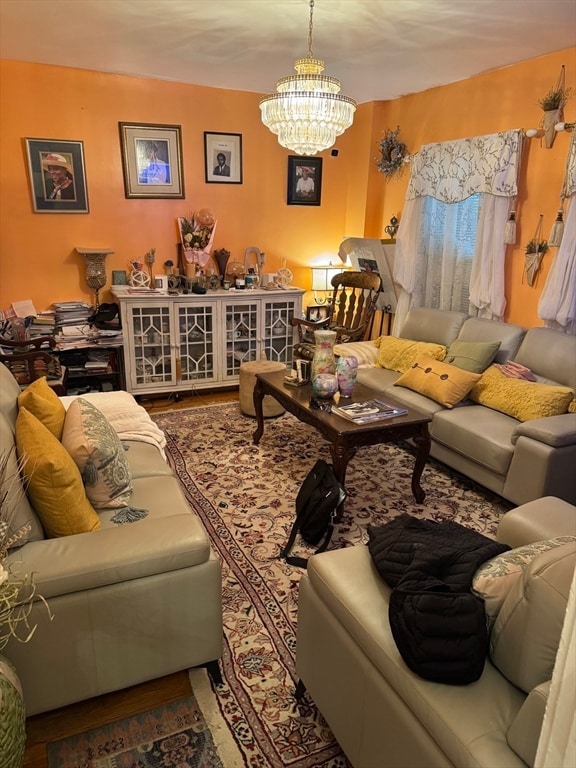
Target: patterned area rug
point(245, 496)
point(171, 736)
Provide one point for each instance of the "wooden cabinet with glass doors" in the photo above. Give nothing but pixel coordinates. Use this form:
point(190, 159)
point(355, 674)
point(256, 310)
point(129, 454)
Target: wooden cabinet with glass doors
point(181, 343)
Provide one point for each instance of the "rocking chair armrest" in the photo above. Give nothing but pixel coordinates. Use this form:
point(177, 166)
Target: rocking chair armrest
point(313, 325)
point(29, 345)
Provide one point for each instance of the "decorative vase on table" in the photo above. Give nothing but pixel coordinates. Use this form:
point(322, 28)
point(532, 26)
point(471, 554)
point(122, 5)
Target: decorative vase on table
point(323, 360)
point(347, 374)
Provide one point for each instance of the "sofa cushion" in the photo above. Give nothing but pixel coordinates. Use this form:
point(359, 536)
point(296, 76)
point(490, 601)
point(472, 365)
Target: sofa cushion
point(494, 579)
point(509, 336)
point(474, 356)
point(478, 433)
point(446, 384)
point(16, 498)
point(440, 326)
point(41, 400)
point(524, 400)
point(54, 483)
point(525, 637)
point(399, 354)
point(98, 454)
point(550, 355)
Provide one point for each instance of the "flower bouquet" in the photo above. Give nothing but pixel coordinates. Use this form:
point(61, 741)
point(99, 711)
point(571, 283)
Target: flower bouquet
point(197, 236)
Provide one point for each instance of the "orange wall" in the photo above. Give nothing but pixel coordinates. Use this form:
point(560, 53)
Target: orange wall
point(37, 256)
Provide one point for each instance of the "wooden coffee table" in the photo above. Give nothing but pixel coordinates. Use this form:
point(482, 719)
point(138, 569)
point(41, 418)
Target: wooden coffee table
point(344, 436)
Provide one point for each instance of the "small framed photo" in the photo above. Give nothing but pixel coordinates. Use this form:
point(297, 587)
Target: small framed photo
point(316, 312)
point(152, 160)
point(304, 180)
point(57, 176)
point(223, 158)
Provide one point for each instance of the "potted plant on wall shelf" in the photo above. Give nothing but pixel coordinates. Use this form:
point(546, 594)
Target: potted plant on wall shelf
point(535, 249)
point(552, 105)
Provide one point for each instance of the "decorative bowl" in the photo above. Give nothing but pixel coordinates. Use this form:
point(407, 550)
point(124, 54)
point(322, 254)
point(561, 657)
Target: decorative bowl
point(325, 385)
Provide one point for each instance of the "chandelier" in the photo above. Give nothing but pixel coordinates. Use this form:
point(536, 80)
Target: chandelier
point(307, 112)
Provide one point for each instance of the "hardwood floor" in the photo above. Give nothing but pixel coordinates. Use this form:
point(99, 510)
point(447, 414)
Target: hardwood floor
point(77, 718)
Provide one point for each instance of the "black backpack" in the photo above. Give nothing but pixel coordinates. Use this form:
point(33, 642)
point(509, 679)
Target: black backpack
point(317, 503)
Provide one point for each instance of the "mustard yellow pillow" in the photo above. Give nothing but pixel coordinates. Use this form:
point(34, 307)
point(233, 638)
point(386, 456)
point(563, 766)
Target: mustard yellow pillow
point(524, 400)
point(572, 406)
point(41, 400)
point(399, 354)
point(55, 487)
point(446, 384)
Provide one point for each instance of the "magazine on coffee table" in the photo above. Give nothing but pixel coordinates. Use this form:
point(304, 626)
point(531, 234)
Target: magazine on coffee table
point(367, 411)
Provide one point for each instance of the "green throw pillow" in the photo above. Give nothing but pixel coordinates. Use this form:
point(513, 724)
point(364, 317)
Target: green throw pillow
point(473, 356)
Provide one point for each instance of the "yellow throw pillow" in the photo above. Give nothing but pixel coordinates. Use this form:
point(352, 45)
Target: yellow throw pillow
point(399, 354)
point(55, 487)
point(41, 400)
point(524, 400)
point(446, 384)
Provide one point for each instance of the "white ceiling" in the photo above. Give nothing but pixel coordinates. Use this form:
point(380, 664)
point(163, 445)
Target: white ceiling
point(379, 49)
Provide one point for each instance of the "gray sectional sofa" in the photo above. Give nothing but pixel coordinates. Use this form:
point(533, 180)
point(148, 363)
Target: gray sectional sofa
point(386, 716)
point(130, 602)
point(520, 461)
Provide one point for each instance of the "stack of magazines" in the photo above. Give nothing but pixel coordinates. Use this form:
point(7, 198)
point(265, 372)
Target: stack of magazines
point(367, 411)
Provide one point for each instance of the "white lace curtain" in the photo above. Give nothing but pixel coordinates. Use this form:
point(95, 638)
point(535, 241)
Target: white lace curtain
point(451, 172)
point(557, 306)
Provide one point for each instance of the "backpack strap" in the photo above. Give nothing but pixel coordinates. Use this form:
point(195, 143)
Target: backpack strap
point(302, 562)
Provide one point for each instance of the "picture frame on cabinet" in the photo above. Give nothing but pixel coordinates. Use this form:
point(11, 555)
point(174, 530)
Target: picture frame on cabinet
point(57, 176)
point(152, 160)
point(304, 180)
point(223, 158)
point(317, 312)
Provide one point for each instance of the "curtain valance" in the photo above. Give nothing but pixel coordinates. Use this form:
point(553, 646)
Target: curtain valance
point(451, 171)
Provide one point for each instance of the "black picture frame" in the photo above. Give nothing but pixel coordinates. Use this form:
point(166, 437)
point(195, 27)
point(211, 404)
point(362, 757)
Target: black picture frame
point(300, 169)
point(223, 158)
point(317, 312)
point(152, 160)
point(62, 189)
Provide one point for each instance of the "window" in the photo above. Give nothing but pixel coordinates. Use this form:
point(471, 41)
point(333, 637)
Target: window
point(448, 237)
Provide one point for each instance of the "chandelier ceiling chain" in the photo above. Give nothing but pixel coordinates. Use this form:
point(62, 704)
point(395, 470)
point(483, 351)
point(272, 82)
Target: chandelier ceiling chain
point(308, 112)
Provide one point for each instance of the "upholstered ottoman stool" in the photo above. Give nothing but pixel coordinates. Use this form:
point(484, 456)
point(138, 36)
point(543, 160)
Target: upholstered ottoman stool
point(248, 371)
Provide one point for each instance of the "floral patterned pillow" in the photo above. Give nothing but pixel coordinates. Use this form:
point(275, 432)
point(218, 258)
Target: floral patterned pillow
point(99, 455)
point(494, 579)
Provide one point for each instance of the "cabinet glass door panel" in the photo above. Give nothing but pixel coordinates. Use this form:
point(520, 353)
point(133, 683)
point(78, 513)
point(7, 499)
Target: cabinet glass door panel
point(153, 362)
point(196, 342)
point(241, 335)
point(278, 333)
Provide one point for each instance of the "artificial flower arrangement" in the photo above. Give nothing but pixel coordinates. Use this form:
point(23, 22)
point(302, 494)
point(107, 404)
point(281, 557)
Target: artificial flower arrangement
point(197, 236)
point(17, 589)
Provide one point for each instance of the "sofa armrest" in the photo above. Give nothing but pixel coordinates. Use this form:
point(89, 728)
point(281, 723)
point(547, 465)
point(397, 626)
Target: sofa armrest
point(111, 555)
point(556, 431)
point(537, 520)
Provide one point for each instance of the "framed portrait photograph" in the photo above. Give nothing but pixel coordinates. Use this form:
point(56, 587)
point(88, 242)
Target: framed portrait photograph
point(57, 176)
point(223, 158)
point(152, 160)
point(317, 312)
point(304, 180)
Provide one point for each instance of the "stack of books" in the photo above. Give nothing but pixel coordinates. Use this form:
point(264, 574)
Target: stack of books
point(72, 313)
point(368, 411)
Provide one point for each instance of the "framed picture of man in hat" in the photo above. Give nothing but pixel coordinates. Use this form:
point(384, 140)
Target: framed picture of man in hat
point(57, 176)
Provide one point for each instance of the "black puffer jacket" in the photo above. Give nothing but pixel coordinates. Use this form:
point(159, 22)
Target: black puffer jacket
point(438, 624)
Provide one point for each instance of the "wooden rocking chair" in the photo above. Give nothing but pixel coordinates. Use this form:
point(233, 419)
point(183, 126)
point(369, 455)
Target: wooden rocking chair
point(350, 312)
